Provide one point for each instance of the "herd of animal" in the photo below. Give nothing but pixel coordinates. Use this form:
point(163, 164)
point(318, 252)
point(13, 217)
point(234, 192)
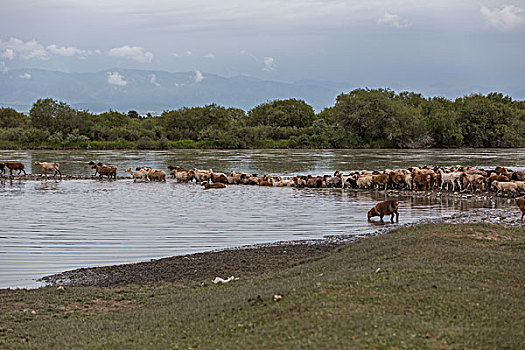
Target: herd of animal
point(458, 178)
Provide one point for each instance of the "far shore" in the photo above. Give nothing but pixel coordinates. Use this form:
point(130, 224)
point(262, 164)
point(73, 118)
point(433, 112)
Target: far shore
point(187, 144)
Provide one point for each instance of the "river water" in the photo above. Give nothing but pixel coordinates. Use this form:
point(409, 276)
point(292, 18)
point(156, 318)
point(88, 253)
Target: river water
point(51, 226)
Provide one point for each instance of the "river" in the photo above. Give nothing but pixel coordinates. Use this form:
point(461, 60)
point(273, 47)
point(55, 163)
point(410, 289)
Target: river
point(51, 226)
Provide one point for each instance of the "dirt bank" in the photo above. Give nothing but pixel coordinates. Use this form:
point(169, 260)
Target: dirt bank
point(198, 267)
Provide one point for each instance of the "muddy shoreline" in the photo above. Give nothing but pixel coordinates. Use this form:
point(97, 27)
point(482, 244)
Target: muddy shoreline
point(248, 261)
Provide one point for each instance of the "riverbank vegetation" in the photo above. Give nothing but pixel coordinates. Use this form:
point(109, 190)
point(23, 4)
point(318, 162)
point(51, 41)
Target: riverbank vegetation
point(362, 118)
point(431, 286)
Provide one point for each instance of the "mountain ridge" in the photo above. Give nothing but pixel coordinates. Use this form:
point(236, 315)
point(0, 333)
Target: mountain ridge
point(153, 90)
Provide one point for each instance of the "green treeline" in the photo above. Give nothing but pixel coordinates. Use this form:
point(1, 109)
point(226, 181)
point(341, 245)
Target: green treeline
point(363, 118)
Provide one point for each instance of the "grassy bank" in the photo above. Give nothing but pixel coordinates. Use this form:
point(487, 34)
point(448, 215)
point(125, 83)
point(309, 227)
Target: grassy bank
point(151, 144)
point(432, 286)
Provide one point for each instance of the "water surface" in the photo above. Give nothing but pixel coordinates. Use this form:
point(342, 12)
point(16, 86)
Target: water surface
point(51, 226)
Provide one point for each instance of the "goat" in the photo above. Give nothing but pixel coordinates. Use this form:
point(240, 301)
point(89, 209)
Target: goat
point(280, 182)
point(388, 207)
point(381, 179)
point(49, 166)
point(156, 175)
point(15, 166)
point(474, 181)
point(92, 164)
point(218, 177)
point(246, 179)
point(109, 170)
point(397, 179)
point(201, 175)
point(315, 182)
point(182, 175)
point(208, 185)
point(138, 174)
point(450, 178)
point(421, 180)
point(364, 181)
point(520, 202)
point(500, 178)
point(505, 186)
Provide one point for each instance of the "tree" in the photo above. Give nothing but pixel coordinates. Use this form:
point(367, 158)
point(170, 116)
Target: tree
point(9, 118)
point(133, 114)
point(282, 113)
point(442, 122)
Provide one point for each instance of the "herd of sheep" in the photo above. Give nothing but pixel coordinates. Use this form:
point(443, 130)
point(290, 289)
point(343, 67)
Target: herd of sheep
point(459, 178)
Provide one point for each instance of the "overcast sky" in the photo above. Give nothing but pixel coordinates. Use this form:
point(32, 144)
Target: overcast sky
point(467, 45)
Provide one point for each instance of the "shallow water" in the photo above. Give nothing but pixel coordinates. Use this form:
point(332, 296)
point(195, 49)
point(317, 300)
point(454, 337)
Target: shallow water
point(51, 226)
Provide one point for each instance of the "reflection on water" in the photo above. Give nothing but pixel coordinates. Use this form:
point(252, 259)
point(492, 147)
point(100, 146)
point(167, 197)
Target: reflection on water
point(51, 226)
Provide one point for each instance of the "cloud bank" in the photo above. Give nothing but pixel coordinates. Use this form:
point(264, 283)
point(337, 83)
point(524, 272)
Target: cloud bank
point(135, 53)
point(395, 21)
point(507, 18)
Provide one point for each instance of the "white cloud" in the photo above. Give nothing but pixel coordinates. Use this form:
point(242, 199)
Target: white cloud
point(25, 50)
point(68, 51)
point(175, 54)
point(153, 80)
point(187, 53)
point(394, 21)
point(198, 76)
point(210, 55)
point(114, 78)
point(269, 64)
point(506, 18)
point(3, 67)
point(135, 53)
point(25, 76)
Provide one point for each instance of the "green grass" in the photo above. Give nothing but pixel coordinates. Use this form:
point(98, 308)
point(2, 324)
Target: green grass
point(428, 287)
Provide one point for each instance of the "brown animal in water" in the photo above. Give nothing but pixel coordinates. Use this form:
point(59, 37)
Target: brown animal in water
point(51, 167)
point(388, 207)
point(473, 181)
point(15, 166)
point(103, 169)
point(504, 186)
point(520, 202)
point(156, 174)
point(380, 180)
point(421, 181)
point(200, 175)
point(208, 185)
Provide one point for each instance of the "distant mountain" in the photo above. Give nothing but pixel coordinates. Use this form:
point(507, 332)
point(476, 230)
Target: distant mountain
point(154, 91)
